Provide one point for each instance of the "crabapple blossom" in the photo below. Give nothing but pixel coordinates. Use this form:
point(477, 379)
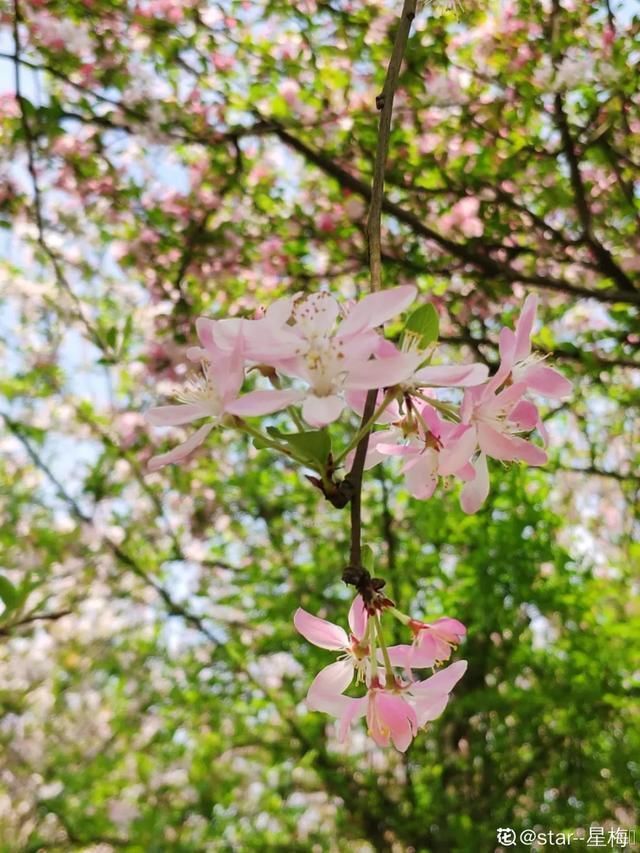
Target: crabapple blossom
point(432, 644)
point(395, 708)
point(438, 448)
point(334, 358)
point(213, 395)
point(394, 713)
point(326, 635)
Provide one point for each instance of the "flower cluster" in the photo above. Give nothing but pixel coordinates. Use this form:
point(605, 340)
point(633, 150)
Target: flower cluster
point(330, 355)
point(395, 705)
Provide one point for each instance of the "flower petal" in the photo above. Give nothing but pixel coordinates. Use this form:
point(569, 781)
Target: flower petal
point(429, 708)
point(353, 709)
point(442, 682)
point(358, 618)
point(452, 376)
point(452, 630)
point(180, 453)
point(263, 402)
point(178, 415)
point(400, 655)
point(357, 399)
point(315, 313)
point(456, 454)
point(548, 382)
point(381, 372)
point(399, 717)
point(524, 327)
point(325, 692)
point(320, 411)
point(376, 309)
point(320, 632)
point(475, 492)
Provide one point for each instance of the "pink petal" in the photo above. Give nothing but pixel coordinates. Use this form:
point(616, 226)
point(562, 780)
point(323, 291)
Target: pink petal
point(399, 717)
point(178, 415)
point(318, 631)
point(358, 618)
point(524, 327)
point(180, 453)
point(432, 419)
point(475, 492)
point(263, 402)
point(279, 312)
point(455, 456)
point(509, 447)
point(442, 682)
point(430, 708)
point(548, 382)
point(452, 376)
point(507, 360)
point(320, 411)
point(227, 373)
point(315, 314)
point(524, 415)
point(498, 445)
point(206, 330)
point(380, 445)
point(400, 655)
point(325, 692)
point(357, 399)
point(422, 477)
point(352, 709)
point(402, 450)
point(376, 309)
point(450, 629)
point(196, 354)
point(381, 372)
point(428, 649)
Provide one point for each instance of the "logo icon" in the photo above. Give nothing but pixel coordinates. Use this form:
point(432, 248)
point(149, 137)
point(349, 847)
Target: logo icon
point(506, 836)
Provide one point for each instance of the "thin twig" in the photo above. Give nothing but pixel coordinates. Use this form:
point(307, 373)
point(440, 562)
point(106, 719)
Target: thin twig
point(355, 573)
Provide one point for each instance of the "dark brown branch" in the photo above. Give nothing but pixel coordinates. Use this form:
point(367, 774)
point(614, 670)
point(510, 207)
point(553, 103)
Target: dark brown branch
point(355, 573)
point(605, 259)
point(470, 255)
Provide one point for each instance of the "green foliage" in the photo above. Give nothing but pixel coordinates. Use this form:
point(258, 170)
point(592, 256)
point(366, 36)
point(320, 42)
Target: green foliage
point(202, 161)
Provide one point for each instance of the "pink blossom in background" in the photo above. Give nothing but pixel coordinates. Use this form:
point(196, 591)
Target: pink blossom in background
point(463, 217)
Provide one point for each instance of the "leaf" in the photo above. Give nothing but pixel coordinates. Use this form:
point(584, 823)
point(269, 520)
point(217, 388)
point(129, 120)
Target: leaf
point(314, 445)
point(424, 323)
point(368, 558)
point(9, 594)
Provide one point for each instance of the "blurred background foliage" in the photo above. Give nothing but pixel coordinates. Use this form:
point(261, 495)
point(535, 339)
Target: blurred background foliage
point(165, 160)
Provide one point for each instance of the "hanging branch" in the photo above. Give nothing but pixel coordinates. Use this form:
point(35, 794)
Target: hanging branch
point(355, 573)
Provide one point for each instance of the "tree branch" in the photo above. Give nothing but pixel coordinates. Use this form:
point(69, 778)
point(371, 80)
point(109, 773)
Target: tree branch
point(355, 573)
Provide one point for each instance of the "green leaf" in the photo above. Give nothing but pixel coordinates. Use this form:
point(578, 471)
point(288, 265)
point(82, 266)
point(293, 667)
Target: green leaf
point(425, 324)
point(314, 445)
point(259, 443)
point(9, 594)
point(368, 558)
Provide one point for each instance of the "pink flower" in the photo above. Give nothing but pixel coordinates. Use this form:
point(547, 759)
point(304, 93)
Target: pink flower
point(498, 412)
point(432, 643)
point(438, 449)
point(334, 358)
point(265, 340)
point(525, 366)
point(336, 677)
point(395, 713)
point(213, 395)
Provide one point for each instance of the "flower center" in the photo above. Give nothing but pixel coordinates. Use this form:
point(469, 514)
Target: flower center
point(200, 389)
